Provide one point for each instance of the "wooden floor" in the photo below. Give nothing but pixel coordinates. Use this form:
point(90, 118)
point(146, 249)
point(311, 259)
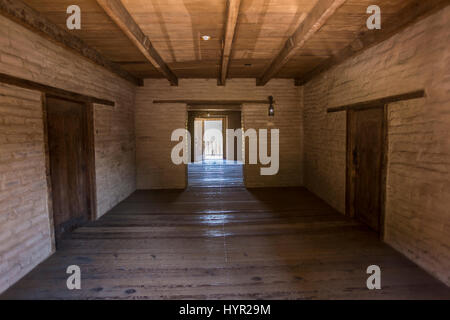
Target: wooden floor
point(225, 243)
point(216, 173)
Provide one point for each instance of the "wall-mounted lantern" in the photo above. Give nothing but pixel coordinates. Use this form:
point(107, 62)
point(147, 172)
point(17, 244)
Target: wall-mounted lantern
point(271, 107)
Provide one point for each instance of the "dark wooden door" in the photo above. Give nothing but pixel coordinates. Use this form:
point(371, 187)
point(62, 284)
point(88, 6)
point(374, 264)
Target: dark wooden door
point(367, 158)
point(67, 133)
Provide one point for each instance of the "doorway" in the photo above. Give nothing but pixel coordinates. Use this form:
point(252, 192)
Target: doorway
point(70, 163)
point(209, 136)
point(211, 165)
point(366, 166)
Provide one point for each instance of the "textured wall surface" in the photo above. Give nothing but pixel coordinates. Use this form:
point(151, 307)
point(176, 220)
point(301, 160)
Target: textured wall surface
point(24, 236)
point(24, 218)
point(418, 185)
point(153, 118)
point(154, 126)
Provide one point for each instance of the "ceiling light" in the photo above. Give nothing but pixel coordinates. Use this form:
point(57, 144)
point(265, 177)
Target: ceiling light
point(206, 38)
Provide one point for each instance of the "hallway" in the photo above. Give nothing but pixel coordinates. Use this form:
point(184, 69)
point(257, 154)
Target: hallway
point(225, 243)
point(338, 110)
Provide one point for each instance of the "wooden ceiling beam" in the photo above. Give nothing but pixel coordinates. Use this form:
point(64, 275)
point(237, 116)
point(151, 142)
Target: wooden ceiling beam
point(31, 19)
point(230, 28)
point(412, 13)
point(314, 21)
point(123, 19)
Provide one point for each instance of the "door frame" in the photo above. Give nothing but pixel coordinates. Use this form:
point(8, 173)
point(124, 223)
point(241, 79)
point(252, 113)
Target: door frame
point(350, 185)
point(224, 120)
point(90, 160)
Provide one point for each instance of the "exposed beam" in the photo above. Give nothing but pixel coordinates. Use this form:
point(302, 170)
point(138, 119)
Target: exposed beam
point(33, 20)
point(119, 14)
point(213, 102)
point(227, 108)
point(313, 22)
point(230, 28)
point(379, 102)
point(32, 85)
point(415, 11)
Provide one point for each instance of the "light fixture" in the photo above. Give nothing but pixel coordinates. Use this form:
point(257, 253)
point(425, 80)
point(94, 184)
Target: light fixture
point(206, 38)
point(271, 107)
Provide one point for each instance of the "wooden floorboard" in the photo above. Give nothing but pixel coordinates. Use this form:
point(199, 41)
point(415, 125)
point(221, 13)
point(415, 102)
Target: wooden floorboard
point(215, 174)
point(216, 242)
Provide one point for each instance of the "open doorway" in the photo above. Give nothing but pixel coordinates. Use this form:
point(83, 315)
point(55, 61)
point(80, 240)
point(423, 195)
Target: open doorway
point(213, 145)
point(209, 139)
point(210, 166)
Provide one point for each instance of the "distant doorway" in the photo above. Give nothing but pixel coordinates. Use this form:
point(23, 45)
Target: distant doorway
point(209, 165)
point(212, 138)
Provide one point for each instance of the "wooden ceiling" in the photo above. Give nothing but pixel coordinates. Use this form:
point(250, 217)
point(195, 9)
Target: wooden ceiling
point(263, 27)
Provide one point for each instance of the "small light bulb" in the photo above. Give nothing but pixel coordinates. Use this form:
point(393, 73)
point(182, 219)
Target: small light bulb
point(271, 107)
point(206, 38)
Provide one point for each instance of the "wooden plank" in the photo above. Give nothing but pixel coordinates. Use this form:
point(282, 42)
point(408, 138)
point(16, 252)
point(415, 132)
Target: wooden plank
point(31, 19)
point(119, 14)
point(260, 24)
point(188, 244)
point(32, 85)
point(361, 163)
point(414, 12)
point(48, 177)
point(230, 28)
point(349, 168)
point(369, 149)
point(381, 101)
point(213, 102)
point(92, 176)
point(68, 145)
point(384, 172)
point(226, 108)
point(322, 11)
